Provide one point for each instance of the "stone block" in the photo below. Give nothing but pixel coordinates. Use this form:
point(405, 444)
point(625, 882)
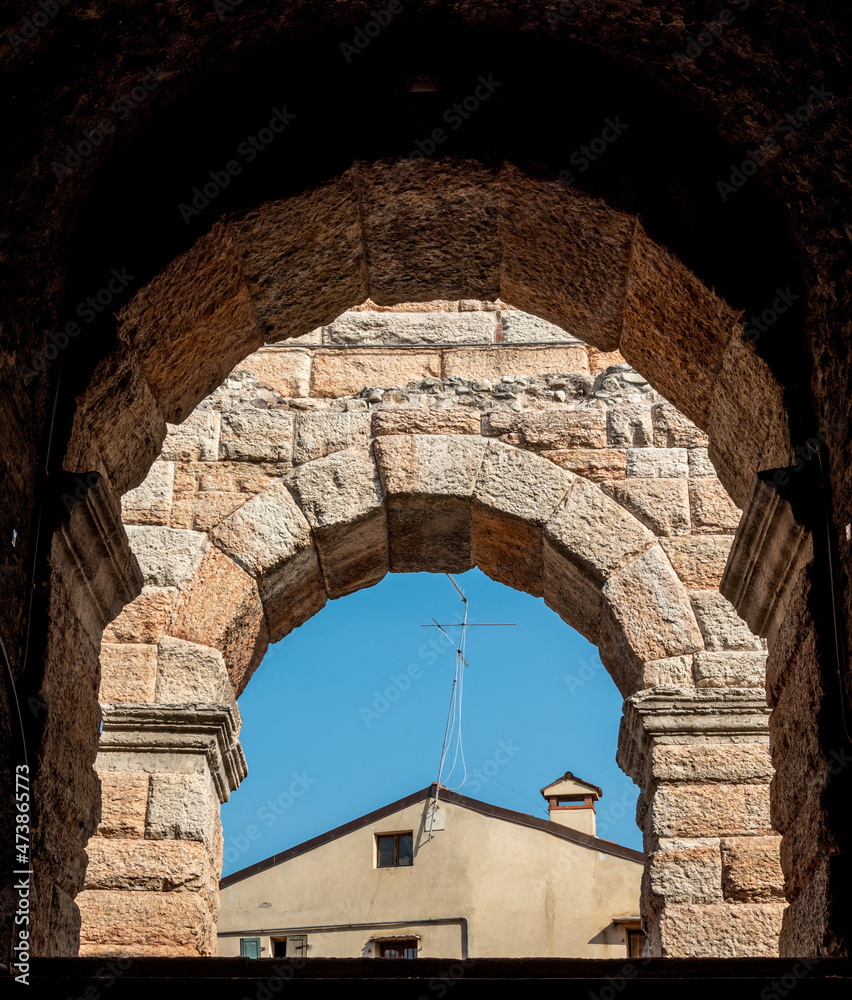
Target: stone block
point(128, 672)
point(548, 429)
point(673, 671)
point(515, 495)
point(594, 532)
point(661, 463)
point(343, 372)
point(721, 627)
point(203, 511)
point(418, 420)
point(599, 360)
point(144, 619)
point(713, 511)
point(711, 810)
point(721, 930)
point(145, 923)
point(167, 556)
point(730, 763)
point(700, 466)
point(124, 798)
point(673, 430)
point(751, 869)
point(730, 669)
point(151, 501)
point(182, 806)
point(660, 504)
point(698, 560)
point(187, 672)
point(252, 435)
point(285, 370)
point(342, 498)
point(416, 328)
point(524, 328)
point(572, 592)
point(629, 426)
point(271, 539)
point(687, 874)
point(492, 363)
point(428, 481)
point(320, 434)
point(195, 440)
point(652, 609)
point(149, 865)
point(594, 464)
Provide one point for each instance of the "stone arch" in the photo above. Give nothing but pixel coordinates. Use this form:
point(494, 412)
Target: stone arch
point(417, 491)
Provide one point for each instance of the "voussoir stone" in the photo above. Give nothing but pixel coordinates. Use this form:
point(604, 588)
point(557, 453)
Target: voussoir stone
point(425, 464)
point(167, 556)
point(730, 669)
point(660, 504)
point(699, 560)
point(721, 626)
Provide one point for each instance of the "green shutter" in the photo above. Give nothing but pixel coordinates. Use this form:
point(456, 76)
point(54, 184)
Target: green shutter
point(250, 947)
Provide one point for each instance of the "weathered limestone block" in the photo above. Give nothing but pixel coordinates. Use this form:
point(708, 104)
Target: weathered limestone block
point(751, 869)
point(151, 501)
point(341, 496)
point(713, 511)
point(712, 810)
point(740, 763)
point(599, 360)
point(251, 435)
point(181, 806)
point(687, 872)
point(124, 803)
point(673, 430)
point(224, 477)
point(720, 930)
point(285, 370)
point(700, 466)
point(523, 328)
point(144, 619)
point(128, 672)
point(418, 420)
point(271, 539)
point(149, 865)
point(220, 607)
point(202, 511)
point(320, 434)
point(662, 463)
point(167, 924)
point(721, 627)
point(195, 440)
point(629, 426)
point(730, 669)
point(428, 481)
point(548, 429)
point(652, 608)
point(368, 328)
point(660, 504)
point(168, 557)
point(492, 363)
point(516, 494)
point(699, 560)
point(341, 372)
point(187, 672)
point(673, 671)
point(595, 464)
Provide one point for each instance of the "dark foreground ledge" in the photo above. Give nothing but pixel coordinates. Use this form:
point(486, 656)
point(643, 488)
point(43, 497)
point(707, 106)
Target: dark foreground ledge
point(433, 979)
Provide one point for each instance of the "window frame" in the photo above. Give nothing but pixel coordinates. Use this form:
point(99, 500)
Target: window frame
point(400, 944)
point(396, 836)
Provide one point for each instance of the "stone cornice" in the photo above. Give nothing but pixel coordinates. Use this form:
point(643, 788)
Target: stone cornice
point(206, 729)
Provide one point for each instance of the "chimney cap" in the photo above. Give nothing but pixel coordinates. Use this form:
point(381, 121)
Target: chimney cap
point(570, 784)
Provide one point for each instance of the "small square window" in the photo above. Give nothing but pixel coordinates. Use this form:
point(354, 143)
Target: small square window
point(397, 948)
point(394, 850)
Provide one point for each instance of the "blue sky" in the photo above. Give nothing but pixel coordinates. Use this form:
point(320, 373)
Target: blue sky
point(348, 712)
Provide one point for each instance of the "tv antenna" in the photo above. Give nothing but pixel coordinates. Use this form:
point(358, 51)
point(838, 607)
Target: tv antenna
point(453, 728)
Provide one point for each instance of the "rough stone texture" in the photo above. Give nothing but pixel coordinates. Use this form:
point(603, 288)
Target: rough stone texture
point(730, 669)
point(712, 511)
point(673, 430)
point(151, 501)
point(751, 869)
point(594, 464)
point(660, 504)
point(342, 373)
point(321, 434)
point(522, 328)
point(167, 556)
point(369, 328)
point(673, 671)
point(286, 371)
point(630, 426)
point(125, 803)
point(257, 436)
point(698, 561)
point(153, 866)
point(128, 672)
point(167, 924)
point(687, 874)
point(662, 463)
point(144, 619)
point(187, 672)
point(715, 810)
point(721, 627)
point(195, 440)
point(549, 430)
point(341, 497)
point(690, 931)
point(700, 464)
point(743, 763)
point(494, 363)
point(416, 420)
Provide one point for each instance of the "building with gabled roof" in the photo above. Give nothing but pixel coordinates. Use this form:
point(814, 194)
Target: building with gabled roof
point(457, 879)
